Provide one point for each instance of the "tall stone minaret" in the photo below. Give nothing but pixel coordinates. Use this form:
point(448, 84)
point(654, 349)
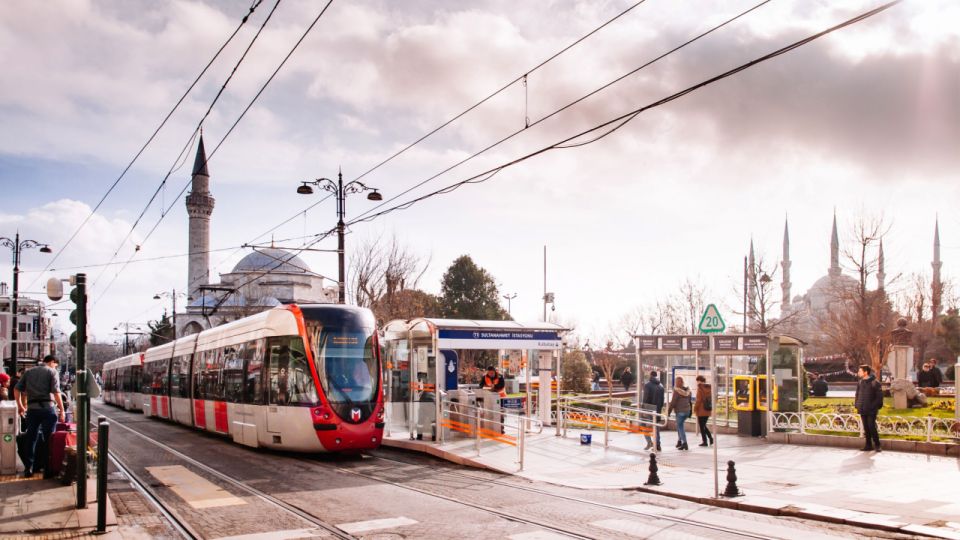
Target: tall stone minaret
point(834, 270)
point(785, 264)
point(199, 208)
point(936, 284)
point(881, 275)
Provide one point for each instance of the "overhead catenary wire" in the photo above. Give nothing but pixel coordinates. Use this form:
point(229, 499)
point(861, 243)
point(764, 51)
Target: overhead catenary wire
point(568, 105)
point(223, 139)
point(614, 124)
point(184, 152)
point(521, 77)
point(150, 139)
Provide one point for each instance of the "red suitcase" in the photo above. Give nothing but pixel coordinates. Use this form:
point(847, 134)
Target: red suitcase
point(59, 441)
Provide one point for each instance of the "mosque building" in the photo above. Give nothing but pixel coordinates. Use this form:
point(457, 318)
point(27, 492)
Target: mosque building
point(801, 315)
point(265, 278)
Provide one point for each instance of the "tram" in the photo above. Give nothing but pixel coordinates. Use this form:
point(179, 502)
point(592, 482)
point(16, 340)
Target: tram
point(121, 381)
point(297, 377)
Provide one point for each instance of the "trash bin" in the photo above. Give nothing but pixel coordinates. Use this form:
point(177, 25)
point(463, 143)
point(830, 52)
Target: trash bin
point(586, 438)
point(9, 428)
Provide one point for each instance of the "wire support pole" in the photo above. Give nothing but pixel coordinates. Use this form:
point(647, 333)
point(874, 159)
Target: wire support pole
point(17, 247)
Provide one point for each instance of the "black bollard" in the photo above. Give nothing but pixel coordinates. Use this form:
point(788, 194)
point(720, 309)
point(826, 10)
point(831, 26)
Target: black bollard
point(732, 489)
point(653, 479)
point(103, 436)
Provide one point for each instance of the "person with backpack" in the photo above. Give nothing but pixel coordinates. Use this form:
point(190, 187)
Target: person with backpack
point(653, 401)
point(681, 403)
point(703, 407)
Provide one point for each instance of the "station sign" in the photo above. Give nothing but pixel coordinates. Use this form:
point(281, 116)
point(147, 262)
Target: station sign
point(754, 343)
point(723, 343)
point(480, 339)
point(671, 343)
point(647, 342)
point(698, 343)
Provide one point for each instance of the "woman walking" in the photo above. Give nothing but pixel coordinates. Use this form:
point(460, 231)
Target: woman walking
point(680, 402)
point(703, 406)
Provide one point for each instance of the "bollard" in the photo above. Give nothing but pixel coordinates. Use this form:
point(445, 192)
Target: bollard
point(103, 433)
point(653, 479)
point(732, 489)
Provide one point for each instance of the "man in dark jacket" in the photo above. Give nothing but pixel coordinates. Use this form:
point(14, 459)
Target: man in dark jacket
point(868, 400)
point(626, 379)
point(653, 401)
point(929, 376)
point(819, 387)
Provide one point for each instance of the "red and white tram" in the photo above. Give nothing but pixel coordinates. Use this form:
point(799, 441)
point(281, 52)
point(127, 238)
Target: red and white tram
point(303, 378)
point(121, 381)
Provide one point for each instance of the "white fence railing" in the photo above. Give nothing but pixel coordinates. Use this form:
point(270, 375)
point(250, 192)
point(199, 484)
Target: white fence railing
point(609, 414)
point(464, 420)
point(931, 429)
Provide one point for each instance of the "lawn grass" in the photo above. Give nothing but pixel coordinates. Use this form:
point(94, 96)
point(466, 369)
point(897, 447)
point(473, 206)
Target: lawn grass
point(938, 407)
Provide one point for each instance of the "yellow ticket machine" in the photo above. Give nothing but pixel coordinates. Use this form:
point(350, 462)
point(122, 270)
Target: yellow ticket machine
point(762, 394)
point(744, 392)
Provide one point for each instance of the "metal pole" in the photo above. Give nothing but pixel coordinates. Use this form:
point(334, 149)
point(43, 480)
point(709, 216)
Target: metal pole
point(744, 295)
point(770, 382)
point(544, 283)
point(103, 435)
point(696, 370)
point(956, 390)
point(174, 314)
point(83, 399)
point(476, 431)
point(14, 321)
point(640, 374)
point(713, 419)
point(606, 424)
point(341, 207)
point(559, 387)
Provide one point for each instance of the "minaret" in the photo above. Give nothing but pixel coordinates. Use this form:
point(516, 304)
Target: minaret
point(881, 275)
point(936, 285)
point(199, 208)
point(834, 270)
point(751, 286)
point(785, 264)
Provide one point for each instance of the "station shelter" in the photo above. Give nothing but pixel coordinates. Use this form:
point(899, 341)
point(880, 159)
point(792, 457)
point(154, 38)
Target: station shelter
point(738, 366)
point(426, 361)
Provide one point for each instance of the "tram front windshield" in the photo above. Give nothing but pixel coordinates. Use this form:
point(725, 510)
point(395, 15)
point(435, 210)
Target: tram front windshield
point(345, 359)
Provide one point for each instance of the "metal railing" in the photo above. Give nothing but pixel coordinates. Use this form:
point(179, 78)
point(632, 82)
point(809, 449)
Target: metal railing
point(472, 421)
point(586, 410)
point(930, 428)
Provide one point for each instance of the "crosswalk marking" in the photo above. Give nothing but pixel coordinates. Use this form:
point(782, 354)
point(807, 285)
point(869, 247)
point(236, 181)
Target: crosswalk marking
point(374, 524)
point(197, 491)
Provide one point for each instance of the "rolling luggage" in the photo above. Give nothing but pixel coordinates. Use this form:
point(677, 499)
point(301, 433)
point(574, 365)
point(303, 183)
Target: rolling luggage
point(55, 451)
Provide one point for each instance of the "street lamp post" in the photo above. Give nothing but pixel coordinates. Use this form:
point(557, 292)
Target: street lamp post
point(17, 246)
point(509, 297)
point(340, 191)
point(172, 295)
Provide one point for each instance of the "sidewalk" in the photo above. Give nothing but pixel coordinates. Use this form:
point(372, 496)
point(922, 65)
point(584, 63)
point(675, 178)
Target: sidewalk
point(894, 491)
point(38, 508)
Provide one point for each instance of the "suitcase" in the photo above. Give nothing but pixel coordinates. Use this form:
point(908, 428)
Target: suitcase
point(55, 452)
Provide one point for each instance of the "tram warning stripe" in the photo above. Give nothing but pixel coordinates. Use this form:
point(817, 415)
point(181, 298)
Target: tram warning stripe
point(484, 432)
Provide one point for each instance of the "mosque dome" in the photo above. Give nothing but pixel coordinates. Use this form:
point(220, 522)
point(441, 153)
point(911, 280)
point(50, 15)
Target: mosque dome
point(273, 260)
point(830, 288)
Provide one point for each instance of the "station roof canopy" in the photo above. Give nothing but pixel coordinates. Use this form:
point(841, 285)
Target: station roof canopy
point(479, 334)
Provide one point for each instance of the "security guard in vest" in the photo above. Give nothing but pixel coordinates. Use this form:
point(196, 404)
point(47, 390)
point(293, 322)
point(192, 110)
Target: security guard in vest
point(494, 381)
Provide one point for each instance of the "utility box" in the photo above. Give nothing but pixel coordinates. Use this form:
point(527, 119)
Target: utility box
point(9, 429)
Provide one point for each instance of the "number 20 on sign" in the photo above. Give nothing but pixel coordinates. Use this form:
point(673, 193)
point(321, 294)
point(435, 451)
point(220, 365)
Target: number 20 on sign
point(711, 322)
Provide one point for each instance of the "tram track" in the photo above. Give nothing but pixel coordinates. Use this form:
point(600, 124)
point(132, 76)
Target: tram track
point(578, 500)
point(266, 497)
point(171, 515)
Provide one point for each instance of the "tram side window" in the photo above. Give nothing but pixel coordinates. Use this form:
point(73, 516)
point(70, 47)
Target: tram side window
point(253, 388)
point(135, 375)
point(233, 373)
point(146, 380)
point(180, 377)
point(211, 372)
point(291, 382)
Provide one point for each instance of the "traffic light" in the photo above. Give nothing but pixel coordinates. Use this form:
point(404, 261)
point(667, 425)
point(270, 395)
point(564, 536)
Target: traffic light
point(78, 339)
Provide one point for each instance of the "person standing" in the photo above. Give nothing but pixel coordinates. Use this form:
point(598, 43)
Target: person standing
point(653, 401)
point(626, 379)
point(680, 402)
point(868, 400)
point(494, 382)
point(703, 406)
point(36, 392)
point(819, 388)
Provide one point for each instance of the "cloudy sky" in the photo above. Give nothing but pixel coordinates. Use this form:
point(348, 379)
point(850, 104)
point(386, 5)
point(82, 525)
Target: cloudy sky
point(865, 120)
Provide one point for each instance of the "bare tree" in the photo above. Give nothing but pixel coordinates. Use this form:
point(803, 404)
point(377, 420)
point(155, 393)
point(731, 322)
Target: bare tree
point(858, 320)
point(382, 273)
point(764, 302)
point(692, 298)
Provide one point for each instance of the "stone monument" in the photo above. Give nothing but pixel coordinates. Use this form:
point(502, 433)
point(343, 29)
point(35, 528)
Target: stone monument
point(899, 360)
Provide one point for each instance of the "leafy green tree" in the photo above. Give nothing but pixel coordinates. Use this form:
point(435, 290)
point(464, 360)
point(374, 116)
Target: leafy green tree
point(469, 292)
point(950, 331)
point(577, 374)
point(161, 331)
